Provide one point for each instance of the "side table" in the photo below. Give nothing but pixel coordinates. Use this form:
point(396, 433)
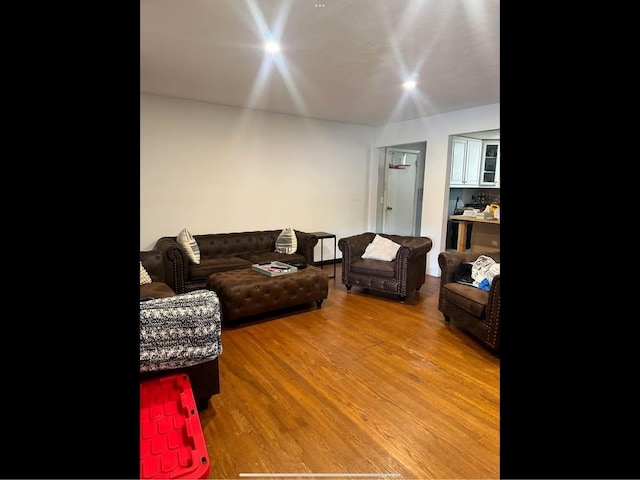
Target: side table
point(321, 236)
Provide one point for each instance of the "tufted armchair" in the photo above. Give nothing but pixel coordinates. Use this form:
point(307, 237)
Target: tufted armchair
point(400, 276)
point(476, 311)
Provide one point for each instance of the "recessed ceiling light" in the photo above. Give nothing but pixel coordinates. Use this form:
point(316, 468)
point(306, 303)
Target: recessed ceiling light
point(272, 47)
point(409, 84)
point(319, 5)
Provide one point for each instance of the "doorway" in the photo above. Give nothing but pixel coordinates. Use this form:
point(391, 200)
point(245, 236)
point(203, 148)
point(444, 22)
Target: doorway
point(400, 189)
point(399, 199)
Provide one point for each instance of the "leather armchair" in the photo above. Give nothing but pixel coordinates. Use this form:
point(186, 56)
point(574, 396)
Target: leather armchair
point(470, 308)
point(404, 274)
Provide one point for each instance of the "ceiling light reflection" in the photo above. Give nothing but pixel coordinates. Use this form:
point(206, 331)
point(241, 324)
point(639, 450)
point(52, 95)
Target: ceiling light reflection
point(272, 47)
point(409, 84)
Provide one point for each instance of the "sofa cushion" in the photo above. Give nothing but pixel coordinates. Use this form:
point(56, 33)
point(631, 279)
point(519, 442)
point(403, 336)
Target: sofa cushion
point(156, 290)
point(144, 275)
point(207, 266)
point(467, 297)
point(287, 242)
point(375, 268)
point(381, 248)
point(189, 245)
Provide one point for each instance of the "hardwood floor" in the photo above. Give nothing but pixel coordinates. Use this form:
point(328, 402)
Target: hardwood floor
point(363, 385)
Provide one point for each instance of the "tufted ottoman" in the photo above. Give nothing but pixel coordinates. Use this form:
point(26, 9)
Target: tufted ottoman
point(244, 292)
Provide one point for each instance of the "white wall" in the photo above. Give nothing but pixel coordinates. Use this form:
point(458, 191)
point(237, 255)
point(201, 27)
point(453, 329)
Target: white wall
point(435, 130)
point(216, 169)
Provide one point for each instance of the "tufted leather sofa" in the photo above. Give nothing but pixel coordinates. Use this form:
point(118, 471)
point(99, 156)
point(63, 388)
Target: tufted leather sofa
point(404, 274)
point(476, 311)
point(220, 252)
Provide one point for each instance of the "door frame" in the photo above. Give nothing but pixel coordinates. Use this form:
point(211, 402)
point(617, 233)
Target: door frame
point(421, 148)
point(388, 159)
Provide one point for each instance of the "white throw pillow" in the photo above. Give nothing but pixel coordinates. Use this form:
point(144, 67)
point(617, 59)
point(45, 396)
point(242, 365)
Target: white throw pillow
point(144, 275)
point(287, 242)
point(381, 248)
point(189, 245)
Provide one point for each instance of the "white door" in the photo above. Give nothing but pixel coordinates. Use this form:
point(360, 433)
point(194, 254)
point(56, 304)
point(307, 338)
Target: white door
point(400, 193)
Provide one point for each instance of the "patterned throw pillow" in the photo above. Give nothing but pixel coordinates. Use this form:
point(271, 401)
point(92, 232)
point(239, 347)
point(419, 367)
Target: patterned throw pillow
point(381, 248)
point(144, 275)
point(287, 242)
point(189, 245)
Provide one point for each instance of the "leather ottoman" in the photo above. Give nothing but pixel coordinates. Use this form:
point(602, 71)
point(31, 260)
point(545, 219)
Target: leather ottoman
point(244, 293)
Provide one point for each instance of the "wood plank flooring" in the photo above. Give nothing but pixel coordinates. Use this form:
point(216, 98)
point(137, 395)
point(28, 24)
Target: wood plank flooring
point(363, 385)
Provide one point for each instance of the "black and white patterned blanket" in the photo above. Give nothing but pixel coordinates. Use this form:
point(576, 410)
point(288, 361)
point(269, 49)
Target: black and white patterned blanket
point(179, 331)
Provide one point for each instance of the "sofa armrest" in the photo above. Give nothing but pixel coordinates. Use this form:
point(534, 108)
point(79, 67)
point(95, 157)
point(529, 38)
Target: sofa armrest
point(494, 291)
point(306, 245)
point(153, 264)
point(493, 315)
point(175, 263)
point(411, 247)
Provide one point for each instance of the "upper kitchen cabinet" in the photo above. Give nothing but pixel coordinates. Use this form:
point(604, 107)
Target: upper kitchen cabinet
point(466, 156)
point(490, 169)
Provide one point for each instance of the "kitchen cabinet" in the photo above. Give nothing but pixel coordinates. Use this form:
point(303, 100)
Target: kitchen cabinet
point(466, 156)
point(490, 169)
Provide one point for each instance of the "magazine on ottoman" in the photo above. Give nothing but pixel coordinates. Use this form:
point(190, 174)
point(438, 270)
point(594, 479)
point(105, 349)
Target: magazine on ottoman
point(274, 269)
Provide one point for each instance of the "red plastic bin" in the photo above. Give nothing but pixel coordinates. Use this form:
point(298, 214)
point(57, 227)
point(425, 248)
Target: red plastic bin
point(171, 440)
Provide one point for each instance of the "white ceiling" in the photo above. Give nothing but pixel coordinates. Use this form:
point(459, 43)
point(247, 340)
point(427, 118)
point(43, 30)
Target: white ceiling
point(343, 62)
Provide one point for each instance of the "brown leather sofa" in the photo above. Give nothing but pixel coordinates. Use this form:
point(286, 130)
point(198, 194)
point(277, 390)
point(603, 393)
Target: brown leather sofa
point(404, 274)
point(470, 308)
point(158, 288)
point(220, 252)
point(204, 377)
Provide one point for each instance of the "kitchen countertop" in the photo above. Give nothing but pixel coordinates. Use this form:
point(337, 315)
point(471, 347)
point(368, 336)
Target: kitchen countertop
point(474, 219)
point(491, 232)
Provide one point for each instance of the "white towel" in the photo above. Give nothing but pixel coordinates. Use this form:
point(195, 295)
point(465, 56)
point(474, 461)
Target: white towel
point(484, 267)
